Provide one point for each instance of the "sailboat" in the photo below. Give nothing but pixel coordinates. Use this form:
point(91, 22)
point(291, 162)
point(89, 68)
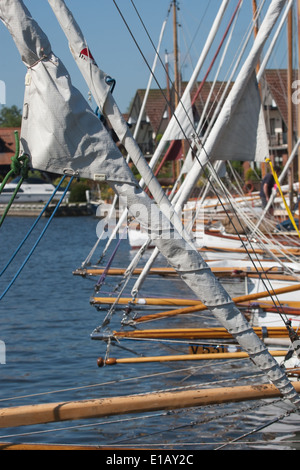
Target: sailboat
point(81, 147)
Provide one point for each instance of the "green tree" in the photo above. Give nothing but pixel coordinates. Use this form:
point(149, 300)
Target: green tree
point(10, 117)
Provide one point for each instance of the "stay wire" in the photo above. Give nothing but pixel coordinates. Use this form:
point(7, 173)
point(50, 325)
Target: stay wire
point(123, 18)
point(177, 92)
point(37, 241)
point(159, 58)
point(149, 67)
point(265, 273)
point(131, 33)
point(205, 420)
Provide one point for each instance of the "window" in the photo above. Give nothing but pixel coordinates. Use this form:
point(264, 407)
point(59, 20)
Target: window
point(11, 190)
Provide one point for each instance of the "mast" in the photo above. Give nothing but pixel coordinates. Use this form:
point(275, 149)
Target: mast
point(176, 76)
point(175, 43)
point(255, 29)
point(168, 85)
point(232, 100)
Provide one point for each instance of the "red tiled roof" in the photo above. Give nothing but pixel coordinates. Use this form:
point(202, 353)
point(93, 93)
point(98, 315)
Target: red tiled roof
point(155, 106)
point(7, 144)
point(157, 101)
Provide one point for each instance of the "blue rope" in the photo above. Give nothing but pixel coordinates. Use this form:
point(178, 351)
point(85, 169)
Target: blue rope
point(33, 226)
point(38, 240)
point(112, 82)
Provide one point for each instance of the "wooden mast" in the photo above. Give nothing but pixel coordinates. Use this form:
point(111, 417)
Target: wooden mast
point(175, 44)
point(176, 165)
point(255, 19)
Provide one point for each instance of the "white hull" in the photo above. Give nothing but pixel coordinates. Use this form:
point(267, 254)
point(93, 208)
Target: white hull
point(265, 318)
point(212, 245)
point(137, 239)
point(31, 191)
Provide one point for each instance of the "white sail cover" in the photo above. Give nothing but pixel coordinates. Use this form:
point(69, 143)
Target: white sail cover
point(245, 135)
point(60, 132)
point(182, 256)
point(95, 79)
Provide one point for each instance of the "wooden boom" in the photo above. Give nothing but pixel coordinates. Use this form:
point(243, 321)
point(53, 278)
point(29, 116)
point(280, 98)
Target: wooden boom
point(241, 299)
point(74, 410)
point(198, 333)
point(183, 357)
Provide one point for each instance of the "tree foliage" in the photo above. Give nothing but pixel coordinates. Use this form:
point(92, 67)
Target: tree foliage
point(10, 117)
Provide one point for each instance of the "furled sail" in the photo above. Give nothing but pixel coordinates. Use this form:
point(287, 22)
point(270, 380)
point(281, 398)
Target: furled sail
point(96, 81)
point(234, 104)
point(55, 113)
point(245, 137)
point(181, 256)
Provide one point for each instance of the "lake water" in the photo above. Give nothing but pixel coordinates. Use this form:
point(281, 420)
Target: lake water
point(45, 323)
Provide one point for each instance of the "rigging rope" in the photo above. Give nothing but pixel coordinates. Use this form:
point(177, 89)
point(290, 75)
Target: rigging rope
point(154, 77)
point(33, 226)
point(37, 241)
point(19, 166)
point(103, 276)
point(259, 428)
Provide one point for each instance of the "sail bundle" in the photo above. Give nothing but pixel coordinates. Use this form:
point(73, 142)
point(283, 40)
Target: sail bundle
point(96, 81)
point(55, 112)
point(229, 128)
point(61, 134)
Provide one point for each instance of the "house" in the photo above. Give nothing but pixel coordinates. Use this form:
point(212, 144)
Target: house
point(154, 120)
point(275, 92)
point(158, 111)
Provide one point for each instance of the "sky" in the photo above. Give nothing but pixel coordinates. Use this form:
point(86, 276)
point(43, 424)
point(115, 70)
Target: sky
point(112, 44)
